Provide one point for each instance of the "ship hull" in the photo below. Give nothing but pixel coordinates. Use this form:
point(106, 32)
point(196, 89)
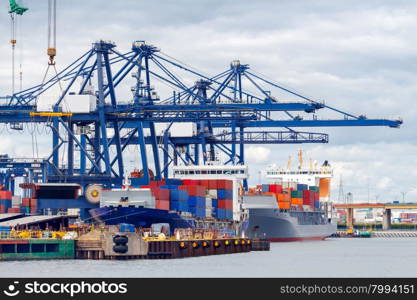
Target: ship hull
point(140, 217)
point(279, 226)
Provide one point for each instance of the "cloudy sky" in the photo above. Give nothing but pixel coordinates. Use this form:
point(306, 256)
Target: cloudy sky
point(359, 56)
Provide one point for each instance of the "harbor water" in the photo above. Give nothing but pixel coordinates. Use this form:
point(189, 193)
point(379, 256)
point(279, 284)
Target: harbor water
point(338, 257)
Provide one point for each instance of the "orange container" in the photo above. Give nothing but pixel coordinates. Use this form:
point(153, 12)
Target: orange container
point(280, 197)
point(284, 205)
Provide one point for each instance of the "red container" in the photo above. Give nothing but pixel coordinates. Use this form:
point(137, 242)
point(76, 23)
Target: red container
point(205, 183)
point(225, 204)
point(33, 210)
point(212, 185)
point(308, 197)
point(13, 210)
point(190, 182)
point(316, 196)
point(25, 201)
point(33, 202)
point(2, 209)
point(160, 194)
point(275, 188)
point(5, 195)
point(194, 190)
point(162, 204)
point(224, 184)
point(145, 186)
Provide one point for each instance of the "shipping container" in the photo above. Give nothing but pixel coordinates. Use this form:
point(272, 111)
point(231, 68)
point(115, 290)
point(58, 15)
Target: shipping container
point(275, 188)
point(224, 194)
point(173, 181)
point(190, 182)
point(124, 227)
point(225, 204)
point(212, 193)
point(224, 184)
point(314, 188)
point(194, 190)
point(196, 201)
point(297, 194)
point(212, 184)
point(6, 195)
point(162, 204)
point(302, 187)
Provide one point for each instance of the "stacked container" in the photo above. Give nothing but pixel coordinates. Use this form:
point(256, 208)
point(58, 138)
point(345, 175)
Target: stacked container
point(179, 200)
point(275, 188)
point(162, 196)
point(29, 205)
point(308, 198)
point(5, 201)
point(196, 199)
point(225, 199)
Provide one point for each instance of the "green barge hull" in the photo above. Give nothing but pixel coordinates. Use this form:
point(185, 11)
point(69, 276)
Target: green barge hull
point(25, 249)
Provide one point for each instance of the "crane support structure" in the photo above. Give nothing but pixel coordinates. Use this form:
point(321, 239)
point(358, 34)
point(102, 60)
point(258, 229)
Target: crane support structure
point(96, 120)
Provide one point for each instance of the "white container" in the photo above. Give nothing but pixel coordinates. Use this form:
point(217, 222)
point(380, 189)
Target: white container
point(16, 201)
point(213, 193)
point(181, 129)
point(78, 103)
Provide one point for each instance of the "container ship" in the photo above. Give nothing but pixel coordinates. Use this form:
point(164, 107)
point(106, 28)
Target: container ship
point(196, 197)
point(293, 206)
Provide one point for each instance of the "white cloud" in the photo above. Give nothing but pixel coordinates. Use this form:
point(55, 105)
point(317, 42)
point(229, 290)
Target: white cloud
point(257, 154)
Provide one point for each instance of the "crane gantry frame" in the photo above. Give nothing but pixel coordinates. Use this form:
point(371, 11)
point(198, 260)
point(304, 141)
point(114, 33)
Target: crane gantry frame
point(228, 114)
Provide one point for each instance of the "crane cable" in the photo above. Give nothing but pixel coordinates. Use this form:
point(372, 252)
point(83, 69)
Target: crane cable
point(13, 43)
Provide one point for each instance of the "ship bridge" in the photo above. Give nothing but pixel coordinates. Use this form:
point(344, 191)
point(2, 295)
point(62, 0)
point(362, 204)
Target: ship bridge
point(211, 172)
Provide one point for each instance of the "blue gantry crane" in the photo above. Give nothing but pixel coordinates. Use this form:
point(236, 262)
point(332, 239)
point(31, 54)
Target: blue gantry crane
point(96, 118)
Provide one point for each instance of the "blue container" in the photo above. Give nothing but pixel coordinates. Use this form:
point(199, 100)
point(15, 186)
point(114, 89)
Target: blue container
point(179, 195)
point(317, 204)
point(169, 187)
point(25, 210)
point(197, 211)
point(265, 188)
point(135, 182)
point(172, 181)
point(6, 202)
point(197, 201)
point(214, 202)
point(225, 194)
point(302, 187)
point(221, 214)
point(179, 205)
point(224, 214)
point(173, 205)
point(124, 227)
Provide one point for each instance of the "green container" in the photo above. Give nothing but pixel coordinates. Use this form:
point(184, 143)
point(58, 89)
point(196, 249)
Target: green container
point(296, 194)
point(37, 249)
point(314, 188)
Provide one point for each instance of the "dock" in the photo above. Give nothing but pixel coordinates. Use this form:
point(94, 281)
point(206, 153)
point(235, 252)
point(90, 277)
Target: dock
point(132, 245)
point(111, 244)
